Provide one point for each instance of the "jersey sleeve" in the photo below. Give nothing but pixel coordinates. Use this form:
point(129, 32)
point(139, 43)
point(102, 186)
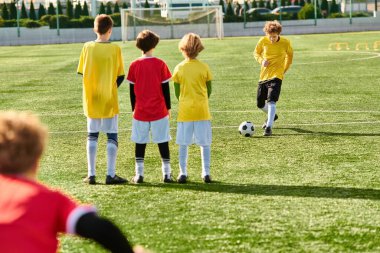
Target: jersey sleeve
point(120, 71)
point(131, 78)
point(257, 54)
point(289, 57)
point(68, 213)
point(208, 73)
point(175, 77)
point(81, 62)
point(165, 73)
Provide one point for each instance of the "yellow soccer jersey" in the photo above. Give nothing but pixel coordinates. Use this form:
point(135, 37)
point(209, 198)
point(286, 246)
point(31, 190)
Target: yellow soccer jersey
point(279, 55)
point(100, 64)
point(192, 76)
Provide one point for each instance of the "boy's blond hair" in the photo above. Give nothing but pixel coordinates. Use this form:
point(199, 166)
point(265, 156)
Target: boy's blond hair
point(272, 27)
point(191, 45)
point(22, 141)
point(102, 23)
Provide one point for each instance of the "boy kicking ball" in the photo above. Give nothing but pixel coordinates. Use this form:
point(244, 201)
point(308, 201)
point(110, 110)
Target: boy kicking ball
point(275, 55)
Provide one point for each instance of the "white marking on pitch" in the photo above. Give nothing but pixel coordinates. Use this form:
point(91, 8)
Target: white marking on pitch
point(226, 127)
point(230, 111)
point(374, 55)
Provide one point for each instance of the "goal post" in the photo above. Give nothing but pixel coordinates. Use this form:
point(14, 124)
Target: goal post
point(174, 22)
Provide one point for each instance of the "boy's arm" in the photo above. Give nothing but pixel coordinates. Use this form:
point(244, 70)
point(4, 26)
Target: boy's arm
point(166, 92)
point(119, 80)
point(177, 90)
point(257, 54)
point(132, 95)
point(102, 231)
point(209, 88)
point(289, 58)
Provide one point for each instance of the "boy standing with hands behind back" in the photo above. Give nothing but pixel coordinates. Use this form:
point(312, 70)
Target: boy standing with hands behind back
point(275, 54)
point(150, 99)
point(192, 83)
point(101, 65)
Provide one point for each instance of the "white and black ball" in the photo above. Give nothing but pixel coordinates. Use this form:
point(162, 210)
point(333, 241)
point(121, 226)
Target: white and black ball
point(247, 128)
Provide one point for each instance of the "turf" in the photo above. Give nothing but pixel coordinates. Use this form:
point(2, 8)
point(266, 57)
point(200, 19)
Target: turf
point(314, 186)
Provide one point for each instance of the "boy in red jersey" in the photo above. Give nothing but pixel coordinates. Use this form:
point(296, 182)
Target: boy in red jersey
point(275, 55)
point(31, 214)
point(150, 99)
point(101, 65)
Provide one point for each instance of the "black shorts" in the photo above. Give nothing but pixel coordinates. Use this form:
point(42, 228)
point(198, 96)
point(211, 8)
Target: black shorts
point(268, 90)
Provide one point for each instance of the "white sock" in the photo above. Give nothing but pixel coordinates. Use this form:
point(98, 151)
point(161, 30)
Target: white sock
point(206, 157)
point(265, 108)
point(139, 166)
point(166, 167)
point(92, 146)
point(111, 157)
point(183, 159)
point(271, 113)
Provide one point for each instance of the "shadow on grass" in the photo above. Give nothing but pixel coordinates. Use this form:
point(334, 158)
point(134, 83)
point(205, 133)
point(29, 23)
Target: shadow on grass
point(275, 190)
point(303, 131)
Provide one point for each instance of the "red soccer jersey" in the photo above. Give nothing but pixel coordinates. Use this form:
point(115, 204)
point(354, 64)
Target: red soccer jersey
point(31, 216)
point(147, 74)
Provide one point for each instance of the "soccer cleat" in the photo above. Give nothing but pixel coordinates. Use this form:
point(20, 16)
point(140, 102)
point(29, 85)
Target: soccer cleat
point(115, 180)
point(268, 131)
point(207, 179)
point(168, 179)
point(265, 124)
point(89, 180)
point(182, 179)
point(137, 179)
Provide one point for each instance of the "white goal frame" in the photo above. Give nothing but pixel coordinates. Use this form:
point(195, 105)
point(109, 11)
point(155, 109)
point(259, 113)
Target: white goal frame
point(173, 28)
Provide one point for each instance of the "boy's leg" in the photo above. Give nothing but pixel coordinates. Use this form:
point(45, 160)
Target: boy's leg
point(274, 90)
point(271, 113)
point(92, 146)
point(112, 146)
point(203, 138)
point(206, 160)
point(140, 136)
point(165, 158)
point(183, 156)
point(139, 162)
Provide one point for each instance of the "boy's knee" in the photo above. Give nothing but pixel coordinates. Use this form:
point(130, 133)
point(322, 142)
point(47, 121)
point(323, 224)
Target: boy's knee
point(112, 137)
point(93, 136)
point(260, 104)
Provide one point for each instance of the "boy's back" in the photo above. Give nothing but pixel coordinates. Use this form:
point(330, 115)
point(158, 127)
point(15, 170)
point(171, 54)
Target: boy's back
point(100, 64)
point(147, 74)
point(33, 212)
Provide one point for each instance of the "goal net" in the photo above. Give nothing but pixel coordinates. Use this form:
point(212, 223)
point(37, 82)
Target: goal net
point(174, 22)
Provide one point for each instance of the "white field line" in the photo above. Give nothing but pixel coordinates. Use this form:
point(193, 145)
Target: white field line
point(226, 127)
point(229, 111)
point(373, 55)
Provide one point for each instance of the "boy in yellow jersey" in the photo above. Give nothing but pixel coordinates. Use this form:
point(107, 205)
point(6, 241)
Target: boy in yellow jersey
point(275, 54)
point(192, 83)
point(102, 67)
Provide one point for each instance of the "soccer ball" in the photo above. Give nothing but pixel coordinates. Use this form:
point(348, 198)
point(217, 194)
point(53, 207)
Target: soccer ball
point(247, 129)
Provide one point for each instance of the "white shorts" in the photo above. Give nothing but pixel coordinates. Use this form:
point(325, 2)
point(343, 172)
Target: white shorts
point(198, 132)
point(106, 125)
point(159, 130)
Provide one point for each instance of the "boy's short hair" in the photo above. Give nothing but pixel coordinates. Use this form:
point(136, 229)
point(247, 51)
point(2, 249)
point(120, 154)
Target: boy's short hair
point(102, 23)
point(272, 27)
point(191, 45)
point(146, 40)
point(22, 141)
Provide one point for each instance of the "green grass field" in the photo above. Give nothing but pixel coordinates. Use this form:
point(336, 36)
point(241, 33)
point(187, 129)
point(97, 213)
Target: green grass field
point(314, 186)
